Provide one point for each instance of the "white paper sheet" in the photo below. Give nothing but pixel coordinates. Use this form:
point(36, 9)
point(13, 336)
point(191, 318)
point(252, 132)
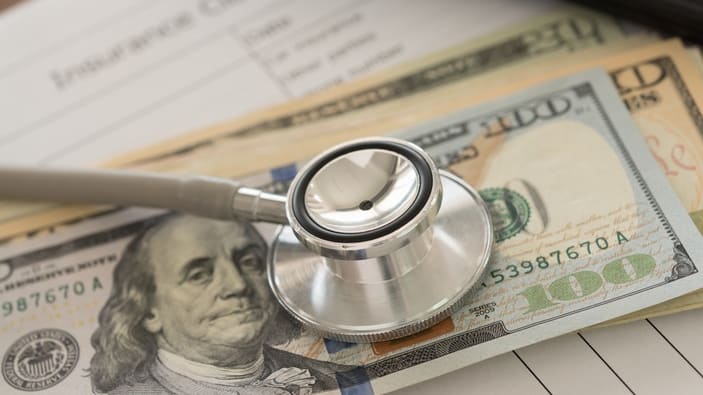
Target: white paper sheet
point(84, 80)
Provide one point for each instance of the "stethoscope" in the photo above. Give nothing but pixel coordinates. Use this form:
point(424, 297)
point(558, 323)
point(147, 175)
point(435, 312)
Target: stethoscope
point(377, 243)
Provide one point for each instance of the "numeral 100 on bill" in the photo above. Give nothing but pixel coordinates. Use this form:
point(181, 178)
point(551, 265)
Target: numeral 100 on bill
point(583, 283)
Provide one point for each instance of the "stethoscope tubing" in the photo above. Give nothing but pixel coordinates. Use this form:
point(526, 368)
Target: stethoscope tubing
point(211, 197)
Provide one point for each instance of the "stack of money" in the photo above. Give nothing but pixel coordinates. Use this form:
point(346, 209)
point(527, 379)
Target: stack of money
point(586, 144)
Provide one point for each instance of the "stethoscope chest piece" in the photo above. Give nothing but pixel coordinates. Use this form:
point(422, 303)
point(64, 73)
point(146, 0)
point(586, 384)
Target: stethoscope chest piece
point(380, 244)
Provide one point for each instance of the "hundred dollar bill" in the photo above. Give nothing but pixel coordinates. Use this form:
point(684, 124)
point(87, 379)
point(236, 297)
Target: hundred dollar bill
point(587, 229)
point(561, 33)
point(658, 83)
point(662, 89)
point(538, 164)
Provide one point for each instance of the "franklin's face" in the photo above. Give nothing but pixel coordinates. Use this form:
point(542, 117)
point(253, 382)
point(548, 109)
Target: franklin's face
point(211, 289)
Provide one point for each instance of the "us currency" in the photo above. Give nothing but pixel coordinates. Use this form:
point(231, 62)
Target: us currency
point(484, 162)
point(587, 229)
point(673, 133)
point(568, 31)
point(658, 82)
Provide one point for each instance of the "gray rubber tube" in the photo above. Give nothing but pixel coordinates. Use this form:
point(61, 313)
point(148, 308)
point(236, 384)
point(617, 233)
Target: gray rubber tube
point(199, 195)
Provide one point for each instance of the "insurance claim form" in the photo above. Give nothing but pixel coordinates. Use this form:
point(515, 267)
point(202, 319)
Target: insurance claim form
point(83, 80)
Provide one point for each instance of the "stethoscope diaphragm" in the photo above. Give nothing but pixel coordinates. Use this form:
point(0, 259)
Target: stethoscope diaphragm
point(380, 244)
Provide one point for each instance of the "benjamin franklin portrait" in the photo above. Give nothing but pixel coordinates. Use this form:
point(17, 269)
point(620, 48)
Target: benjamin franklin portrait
point(190, 312)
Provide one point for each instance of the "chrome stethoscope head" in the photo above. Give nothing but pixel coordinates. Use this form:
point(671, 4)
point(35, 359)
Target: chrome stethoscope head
point(380, 243)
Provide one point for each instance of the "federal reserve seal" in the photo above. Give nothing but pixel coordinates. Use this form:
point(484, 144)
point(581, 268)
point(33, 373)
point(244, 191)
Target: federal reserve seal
point(510, 211)
point(40, 359)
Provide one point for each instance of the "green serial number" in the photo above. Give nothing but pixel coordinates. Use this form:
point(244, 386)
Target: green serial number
point(585, 248)
point(48, 297)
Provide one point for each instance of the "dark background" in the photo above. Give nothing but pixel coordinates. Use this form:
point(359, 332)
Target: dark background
point(7, 3)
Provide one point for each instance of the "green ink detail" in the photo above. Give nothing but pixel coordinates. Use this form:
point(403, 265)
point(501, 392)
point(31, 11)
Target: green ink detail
point(614, 272)
point(537, 298)
point(510, 211)
point(96, 284)
point(588, 281)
